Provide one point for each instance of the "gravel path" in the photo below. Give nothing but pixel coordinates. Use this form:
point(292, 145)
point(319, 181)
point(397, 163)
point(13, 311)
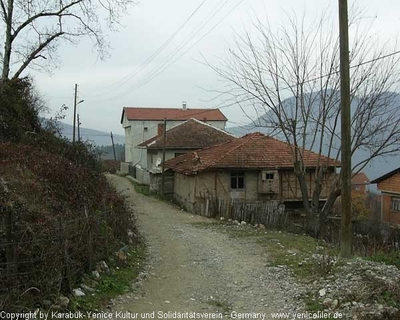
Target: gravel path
point(201, 270)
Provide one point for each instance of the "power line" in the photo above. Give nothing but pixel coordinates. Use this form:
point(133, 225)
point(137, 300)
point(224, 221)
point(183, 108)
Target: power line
point(155, 54)
point(351, 67)
point(155, 71)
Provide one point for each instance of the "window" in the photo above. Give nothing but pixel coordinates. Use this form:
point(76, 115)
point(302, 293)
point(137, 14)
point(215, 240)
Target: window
point(269, 176)
point(145, 129)
point(396, 203)
point(237, 180)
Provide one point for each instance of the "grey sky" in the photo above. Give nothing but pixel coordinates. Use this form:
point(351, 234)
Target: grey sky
point(107, 86)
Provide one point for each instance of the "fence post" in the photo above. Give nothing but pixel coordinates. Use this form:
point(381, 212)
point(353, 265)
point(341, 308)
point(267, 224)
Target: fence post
point(64, 252)
point(11, 247)
point(90, 240)
point(105, 223)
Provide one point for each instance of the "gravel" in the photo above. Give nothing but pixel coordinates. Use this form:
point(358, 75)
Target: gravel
point(200, 269)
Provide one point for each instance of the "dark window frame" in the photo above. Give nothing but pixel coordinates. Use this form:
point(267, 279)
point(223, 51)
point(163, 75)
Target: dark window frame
point(237, 180)
point(395, 203)
point(269, 176)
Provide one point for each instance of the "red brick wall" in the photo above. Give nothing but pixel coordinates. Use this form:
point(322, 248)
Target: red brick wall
point(388, 215)
point(391, 184)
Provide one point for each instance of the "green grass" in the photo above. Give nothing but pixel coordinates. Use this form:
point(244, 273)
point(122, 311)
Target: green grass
point(117, 282)
point(392, 257)
point(142, 188)
point(223, 305)
point(312, 304)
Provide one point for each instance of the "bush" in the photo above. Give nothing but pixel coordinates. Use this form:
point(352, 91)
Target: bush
point(58, 214)
point(18, 109)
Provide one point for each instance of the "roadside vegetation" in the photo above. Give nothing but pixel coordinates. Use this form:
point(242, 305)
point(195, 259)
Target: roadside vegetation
point(60, 219)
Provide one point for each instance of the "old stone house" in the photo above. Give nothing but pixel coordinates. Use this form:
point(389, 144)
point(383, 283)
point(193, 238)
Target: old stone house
point(142, 123)
point(255, 167)
point(389, 185)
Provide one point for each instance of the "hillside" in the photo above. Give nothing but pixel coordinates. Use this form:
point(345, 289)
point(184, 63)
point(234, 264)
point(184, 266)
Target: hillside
point(96, 137)
point(59, 216)
point(374, 169)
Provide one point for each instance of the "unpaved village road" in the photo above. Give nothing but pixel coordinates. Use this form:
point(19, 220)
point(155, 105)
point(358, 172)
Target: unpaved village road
point(198, 269)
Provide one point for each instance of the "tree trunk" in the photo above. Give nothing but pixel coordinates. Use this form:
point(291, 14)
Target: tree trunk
point(327, 208)
point(8, 41)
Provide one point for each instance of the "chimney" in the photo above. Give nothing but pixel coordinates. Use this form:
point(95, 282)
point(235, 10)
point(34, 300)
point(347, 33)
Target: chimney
point(160, 130)
point(184, 105)
point(205, 120)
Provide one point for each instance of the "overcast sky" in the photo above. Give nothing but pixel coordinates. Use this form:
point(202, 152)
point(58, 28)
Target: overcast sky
point(175, 73)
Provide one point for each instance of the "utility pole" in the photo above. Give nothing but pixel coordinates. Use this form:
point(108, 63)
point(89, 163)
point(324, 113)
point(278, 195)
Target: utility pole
point(112, 140)
point(74, 123)
point(345, 172)
point(163, 157)
point(79, 131)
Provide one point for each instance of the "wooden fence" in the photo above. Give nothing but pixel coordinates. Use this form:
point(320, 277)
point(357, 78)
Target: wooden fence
point(269, 213)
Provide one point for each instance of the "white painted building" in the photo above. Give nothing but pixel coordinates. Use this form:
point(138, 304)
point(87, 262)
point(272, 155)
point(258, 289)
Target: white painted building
point(140, 124)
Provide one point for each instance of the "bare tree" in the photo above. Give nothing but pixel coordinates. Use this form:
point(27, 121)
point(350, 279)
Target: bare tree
point(269, 65)
point(33, 29)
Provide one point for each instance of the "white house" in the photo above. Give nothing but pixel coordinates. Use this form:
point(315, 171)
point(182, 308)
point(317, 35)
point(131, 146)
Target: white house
point(141, 124)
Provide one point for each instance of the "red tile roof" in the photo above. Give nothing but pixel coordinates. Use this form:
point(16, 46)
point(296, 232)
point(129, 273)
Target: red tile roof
point(253, 151)
point(191, 134)
point(157, 114)
point(360, 179)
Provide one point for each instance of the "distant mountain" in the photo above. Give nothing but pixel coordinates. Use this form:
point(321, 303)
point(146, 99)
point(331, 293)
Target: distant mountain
point(96, 137)
point(374, 169)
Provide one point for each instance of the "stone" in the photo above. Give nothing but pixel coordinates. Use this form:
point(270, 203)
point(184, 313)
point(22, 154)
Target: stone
point(322, 292)
point(63, 302)
point(243, 223)
point(96, 274)
point(335, 303)
point(87, 288)
point(222, 218)
point(122, 257)
point(78, 293)
point(261, 226)
point(327, 302)
point(102, 267)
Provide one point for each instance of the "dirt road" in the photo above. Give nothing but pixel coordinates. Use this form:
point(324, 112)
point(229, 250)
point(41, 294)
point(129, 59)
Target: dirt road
point(197, 269)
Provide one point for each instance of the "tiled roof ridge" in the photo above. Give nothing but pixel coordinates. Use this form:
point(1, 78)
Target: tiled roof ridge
point(304, 150)
point(184, 122)
point(249, 137)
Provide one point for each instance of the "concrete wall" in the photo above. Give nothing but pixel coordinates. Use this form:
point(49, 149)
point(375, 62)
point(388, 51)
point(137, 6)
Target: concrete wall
point(391, 184)
point(142, 175)
point(158, 154)
point(124, 168)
